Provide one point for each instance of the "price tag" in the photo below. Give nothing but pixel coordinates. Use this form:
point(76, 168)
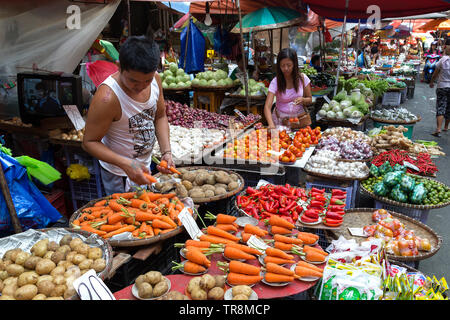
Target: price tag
point(410, 165)
point(256, 243)
point(189, 223)
point(90, 287)
point(74, 115)
point(262, 183)
point(240, 114)
point(357, 232)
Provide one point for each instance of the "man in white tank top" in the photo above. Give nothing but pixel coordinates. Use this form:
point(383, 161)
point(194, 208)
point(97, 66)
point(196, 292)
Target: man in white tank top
point(126, 115)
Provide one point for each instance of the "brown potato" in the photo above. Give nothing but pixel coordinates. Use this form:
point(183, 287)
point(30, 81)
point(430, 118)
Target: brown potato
point(39, 296)
point(27, 292)
point(140, 279)
point(219, 191)
point(207, 282)
point(232, 186)
point(30, 277)
point(58, 271)
point(11, 254)
point(240, 297)
point(48, 254)
point(31, 262)
point(86, 264)
point(69, 293)
point(78, 258)
point(14, 270)
point(21, 257)
point(72, 271)
point(54, 298)
point(65, 240)
point(94, 253)
point(145, 290)
point(193, 284)
point(59, 290)
point(46, 287)
point(216, 293)
point(6, 297)
point(82, 248)
point(220, 281)
point(45, 277)
point(52, 246)
point(74, 243)
point(59, 279)
point(153, 277)
point(65, 264)
point(10, 290)
point(187, 184)
point(199, 294)
point(209, 193)
point(3, 275)
point(45, 266)
point(160, 288)
point(181, 190)
point(65, 249)
point(40, 248)
point(1, 285)
point(2, 265)
point(57, 256)
point(70, 255)
point(242, 289)
point(99, 265)
point(174, 295)
point(10, 281)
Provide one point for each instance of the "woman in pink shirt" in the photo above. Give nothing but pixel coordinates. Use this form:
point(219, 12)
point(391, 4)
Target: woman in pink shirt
point(291, 88)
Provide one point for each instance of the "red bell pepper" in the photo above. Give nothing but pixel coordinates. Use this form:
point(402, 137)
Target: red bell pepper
point(339, 197)
point(313, 189)
point(338, 192)
point(336, 208)
point(313, 214)
point(307, 219)
point(315, 203)
point(331, 222)
point(333, 215)
point(336, 201)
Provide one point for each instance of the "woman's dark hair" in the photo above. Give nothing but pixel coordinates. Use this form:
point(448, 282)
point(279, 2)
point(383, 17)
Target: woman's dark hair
point(291, 54)
point(138, 53)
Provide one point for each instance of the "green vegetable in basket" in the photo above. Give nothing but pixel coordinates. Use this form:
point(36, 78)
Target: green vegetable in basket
point(399, 167)
point(374, 170)
point(418, 194)
point(380, 189)
point(393, 178)
point(398, 195)
point(407, 183)
point(384, 168)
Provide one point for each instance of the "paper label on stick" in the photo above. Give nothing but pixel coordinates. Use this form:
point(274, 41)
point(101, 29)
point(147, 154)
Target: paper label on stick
point(410, 165)
point(189, 224)
point(240, 114)
point(357, 232)
point(74, 115)
point(256, 243)
point(90, 287)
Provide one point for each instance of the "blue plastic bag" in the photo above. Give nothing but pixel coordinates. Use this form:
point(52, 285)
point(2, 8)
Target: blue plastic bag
point(32, 208)
point(195, 56)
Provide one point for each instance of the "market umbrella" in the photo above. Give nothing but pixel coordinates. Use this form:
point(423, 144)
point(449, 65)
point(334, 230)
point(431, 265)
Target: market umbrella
point(436, 24)
point(99, 70)
point(269, 18)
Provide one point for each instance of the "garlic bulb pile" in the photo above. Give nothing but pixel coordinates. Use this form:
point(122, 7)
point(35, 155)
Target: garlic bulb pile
point(346, 134)
point(324, 162)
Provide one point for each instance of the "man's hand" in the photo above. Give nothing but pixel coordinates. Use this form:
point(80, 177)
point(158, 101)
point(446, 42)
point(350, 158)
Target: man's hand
point(431, 84)
point(135, 171)
point(168, 158)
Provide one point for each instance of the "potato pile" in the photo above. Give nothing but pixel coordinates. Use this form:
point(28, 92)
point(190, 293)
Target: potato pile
point(48, 272)
point(241, 292)
point(207, 287)
point(151, 285)
point(393, 139)
point(199, 183)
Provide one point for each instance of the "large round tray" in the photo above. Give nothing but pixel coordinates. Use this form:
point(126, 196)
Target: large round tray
point(130, 243)
point(360, 217)
point(395, 122)
point(219, 197)
point(311, 173)
point(342, 123)
point(406, 205)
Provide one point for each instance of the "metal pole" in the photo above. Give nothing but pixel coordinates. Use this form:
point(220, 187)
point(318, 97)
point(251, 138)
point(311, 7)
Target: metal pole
point(129, 18)
point(9, 203)
point(244, 58)
point(340, 53)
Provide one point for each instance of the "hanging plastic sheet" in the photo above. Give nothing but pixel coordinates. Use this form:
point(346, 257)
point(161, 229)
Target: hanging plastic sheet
point(32, 208)
point(192, 55)
point(222, 41)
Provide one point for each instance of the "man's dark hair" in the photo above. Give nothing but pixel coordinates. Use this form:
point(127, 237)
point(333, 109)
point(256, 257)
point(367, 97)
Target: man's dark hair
point(139, 53)
point(315, 58)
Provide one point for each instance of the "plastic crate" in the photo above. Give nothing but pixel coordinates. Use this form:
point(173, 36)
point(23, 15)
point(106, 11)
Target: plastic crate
point(391, 98)
point(351, 189)
point(421, 215)
point(57, 199)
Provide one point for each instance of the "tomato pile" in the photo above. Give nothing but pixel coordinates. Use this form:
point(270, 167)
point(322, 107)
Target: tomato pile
point(295, 147)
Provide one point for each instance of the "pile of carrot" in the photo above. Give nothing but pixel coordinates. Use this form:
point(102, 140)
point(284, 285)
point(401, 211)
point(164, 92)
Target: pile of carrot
point(279, 225)
point(223, 221)
point(277, 273)
point(277, 256)
point(144, 214)
point(240, 273)
point(312, 254)
point(305, 269)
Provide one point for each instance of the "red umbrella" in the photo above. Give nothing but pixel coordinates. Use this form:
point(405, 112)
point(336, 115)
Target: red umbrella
point(99, 70)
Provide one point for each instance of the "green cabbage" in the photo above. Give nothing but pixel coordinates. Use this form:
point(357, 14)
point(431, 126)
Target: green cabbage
point(340, 96)
point(173, 67)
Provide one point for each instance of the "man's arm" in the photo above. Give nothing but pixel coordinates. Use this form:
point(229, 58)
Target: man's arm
point(435, 75)
point(162, 128)
point(104, 109)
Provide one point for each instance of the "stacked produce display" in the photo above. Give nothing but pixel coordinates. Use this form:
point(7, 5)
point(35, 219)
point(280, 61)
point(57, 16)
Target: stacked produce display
point(212, 79)
point(175, 78)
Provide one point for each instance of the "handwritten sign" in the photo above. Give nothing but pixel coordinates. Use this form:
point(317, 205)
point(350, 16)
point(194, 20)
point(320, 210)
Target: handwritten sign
point(90, 287)
point(257, 243)
point(189, 224)
point(74, 115)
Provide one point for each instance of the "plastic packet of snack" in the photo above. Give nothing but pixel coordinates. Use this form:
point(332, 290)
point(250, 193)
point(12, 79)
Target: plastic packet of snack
point(394, 269)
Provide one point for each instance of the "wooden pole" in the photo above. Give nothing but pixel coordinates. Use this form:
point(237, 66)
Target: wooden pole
point(244, 58)
point(342, 45)
point(129, 18)
point(9, 203)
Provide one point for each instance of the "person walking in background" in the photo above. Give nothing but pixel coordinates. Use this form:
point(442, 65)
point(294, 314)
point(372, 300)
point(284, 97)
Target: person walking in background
point(442, 74)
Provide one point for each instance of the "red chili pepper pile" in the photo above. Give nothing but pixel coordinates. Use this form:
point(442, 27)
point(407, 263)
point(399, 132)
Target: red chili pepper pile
point(394, 156)
point(272, 200)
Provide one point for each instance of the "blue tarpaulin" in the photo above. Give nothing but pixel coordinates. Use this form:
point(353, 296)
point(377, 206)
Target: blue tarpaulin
point(32, 208)
point(195, 56)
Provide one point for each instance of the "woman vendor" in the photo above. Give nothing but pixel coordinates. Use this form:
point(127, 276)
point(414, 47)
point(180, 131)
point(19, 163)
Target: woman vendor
point(292, 90)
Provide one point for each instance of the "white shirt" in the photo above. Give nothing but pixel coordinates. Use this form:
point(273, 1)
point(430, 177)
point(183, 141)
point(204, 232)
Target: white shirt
point(443, 80)
point(133, 136)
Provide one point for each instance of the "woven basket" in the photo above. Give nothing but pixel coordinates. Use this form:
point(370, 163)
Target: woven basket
point(360, 217)
point(311, 173)
point(130, 243)
point(406, 205)
point(395, 122)
point(219, 197)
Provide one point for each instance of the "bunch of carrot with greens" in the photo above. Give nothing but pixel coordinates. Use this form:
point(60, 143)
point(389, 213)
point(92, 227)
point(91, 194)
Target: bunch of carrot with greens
point(144, 214)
